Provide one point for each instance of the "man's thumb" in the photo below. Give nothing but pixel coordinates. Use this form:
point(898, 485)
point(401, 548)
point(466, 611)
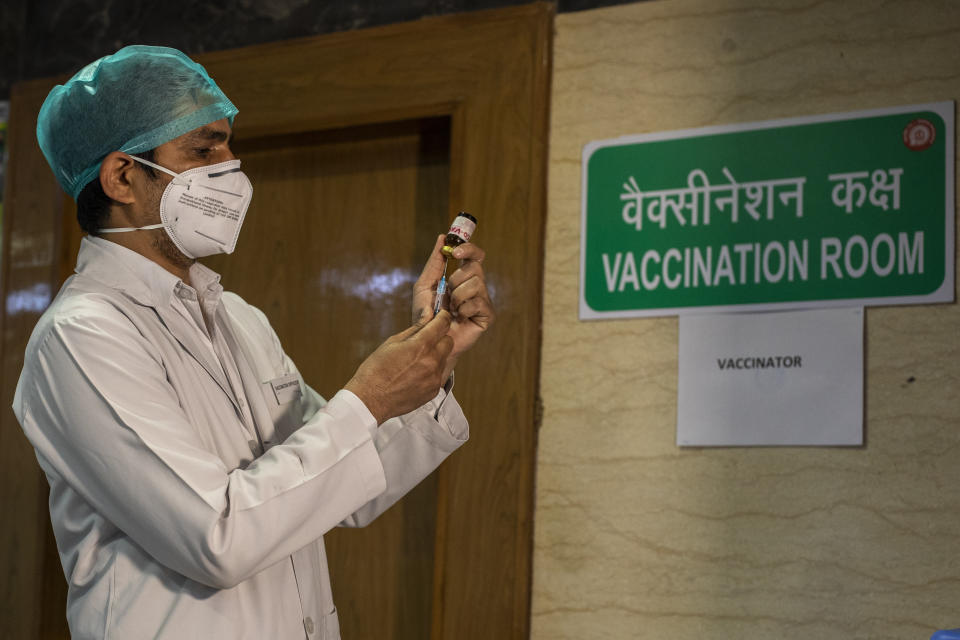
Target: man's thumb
point(435, 328)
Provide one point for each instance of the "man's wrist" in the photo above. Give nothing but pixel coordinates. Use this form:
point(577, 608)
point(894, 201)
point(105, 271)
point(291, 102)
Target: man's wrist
point(368, 399)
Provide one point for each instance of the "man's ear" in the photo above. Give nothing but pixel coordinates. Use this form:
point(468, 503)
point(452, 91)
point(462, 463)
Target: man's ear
point(115, 174)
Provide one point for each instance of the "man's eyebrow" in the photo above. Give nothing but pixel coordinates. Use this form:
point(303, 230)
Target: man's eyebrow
point(205, 135)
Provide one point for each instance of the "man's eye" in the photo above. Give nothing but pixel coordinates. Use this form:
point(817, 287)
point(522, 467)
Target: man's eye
point(202, 151)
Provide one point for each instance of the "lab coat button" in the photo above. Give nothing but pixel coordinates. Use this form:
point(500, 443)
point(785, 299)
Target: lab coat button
point(308, 624)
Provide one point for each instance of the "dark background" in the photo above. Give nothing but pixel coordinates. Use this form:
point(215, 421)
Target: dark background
point(41, 38)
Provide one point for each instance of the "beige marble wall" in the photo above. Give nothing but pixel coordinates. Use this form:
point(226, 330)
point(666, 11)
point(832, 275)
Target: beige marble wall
point(636, 538)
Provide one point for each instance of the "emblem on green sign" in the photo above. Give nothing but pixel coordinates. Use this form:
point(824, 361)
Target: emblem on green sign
point(845, 209)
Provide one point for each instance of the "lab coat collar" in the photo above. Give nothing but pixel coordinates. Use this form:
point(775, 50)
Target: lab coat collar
point(138, 276)
point(153, 286)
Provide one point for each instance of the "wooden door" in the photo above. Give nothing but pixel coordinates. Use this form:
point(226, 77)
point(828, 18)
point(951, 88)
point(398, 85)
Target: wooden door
point(330, 249)
point(361, 146)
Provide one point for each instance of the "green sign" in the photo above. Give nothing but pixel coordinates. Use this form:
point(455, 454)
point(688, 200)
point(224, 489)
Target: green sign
point(842, 209)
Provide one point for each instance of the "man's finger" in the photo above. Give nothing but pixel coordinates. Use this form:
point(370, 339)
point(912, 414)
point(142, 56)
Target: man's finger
point(469, 251)
point(409, 332)
point(468, 270)
point(477, 310)
point(472, 288)
point(418, 324)
point(433, 268)
point(435, 329)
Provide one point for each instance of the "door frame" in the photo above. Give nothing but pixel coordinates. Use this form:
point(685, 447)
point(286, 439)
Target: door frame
point(489, 72)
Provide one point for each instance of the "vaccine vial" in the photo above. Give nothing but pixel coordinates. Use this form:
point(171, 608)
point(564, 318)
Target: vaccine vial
point(460, 231)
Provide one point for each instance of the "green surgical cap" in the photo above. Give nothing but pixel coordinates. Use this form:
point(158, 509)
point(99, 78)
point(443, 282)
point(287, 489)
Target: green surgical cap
point(131, 101)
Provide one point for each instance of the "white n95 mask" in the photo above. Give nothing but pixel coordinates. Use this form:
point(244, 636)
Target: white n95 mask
point(202, 209)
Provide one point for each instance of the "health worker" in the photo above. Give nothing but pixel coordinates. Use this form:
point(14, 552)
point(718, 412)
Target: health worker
point(192, 471)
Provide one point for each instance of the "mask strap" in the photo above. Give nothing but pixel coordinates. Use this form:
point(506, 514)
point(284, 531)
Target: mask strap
point(125, 229)
point(155, 166)
point(149, 226)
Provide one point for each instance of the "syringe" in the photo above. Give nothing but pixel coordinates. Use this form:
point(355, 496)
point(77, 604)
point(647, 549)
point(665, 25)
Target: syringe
point(441, 289)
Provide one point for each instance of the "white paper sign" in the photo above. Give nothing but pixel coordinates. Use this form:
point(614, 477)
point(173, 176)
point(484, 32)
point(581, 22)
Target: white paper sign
point(749, 379)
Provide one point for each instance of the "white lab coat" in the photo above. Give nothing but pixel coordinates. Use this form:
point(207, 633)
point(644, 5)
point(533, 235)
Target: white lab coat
point(189, 499)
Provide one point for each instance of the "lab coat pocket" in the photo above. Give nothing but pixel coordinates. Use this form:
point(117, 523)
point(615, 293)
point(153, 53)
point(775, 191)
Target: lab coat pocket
point(284, 396)
point(330, 626)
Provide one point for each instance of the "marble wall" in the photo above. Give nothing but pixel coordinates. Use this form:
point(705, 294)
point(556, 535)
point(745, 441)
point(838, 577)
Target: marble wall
point(636, 538)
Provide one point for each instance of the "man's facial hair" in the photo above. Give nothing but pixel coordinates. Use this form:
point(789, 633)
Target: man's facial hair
point(161, 240)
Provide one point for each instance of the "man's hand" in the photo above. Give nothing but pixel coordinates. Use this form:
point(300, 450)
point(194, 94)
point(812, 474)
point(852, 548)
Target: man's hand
point(468, 301)
point(406, 371)
point(425, 288)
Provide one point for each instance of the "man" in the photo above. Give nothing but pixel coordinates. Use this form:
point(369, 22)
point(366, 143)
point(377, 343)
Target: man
point(192, 472)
